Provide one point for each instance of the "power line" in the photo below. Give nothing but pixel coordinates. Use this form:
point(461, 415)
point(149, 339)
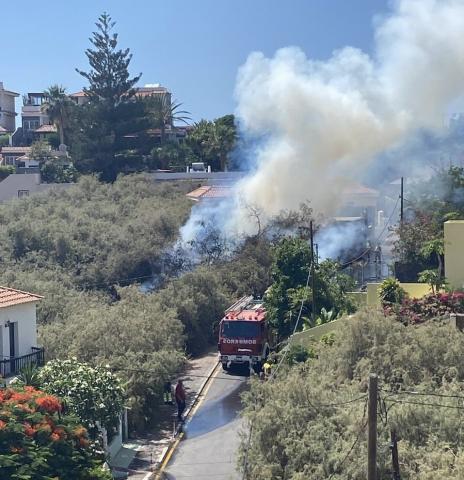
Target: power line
point(115, 281)
point(196, 375)
point(439, 405)
point(425, 394)
point(358, 437)
point(338, 404)
point(273, 373)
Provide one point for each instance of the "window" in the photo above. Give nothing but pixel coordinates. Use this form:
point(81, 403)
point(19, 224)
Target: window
point(31, 124)
point(36, 100)
point(23, 193)
point(237, 329)
point(10, 160)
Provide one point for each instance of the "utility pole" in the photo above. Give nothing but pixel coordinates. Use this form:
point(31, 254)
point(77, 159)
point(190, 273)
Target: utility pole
point(402, 201)
point(395, 461)
point(372, 428)
point(313, 312)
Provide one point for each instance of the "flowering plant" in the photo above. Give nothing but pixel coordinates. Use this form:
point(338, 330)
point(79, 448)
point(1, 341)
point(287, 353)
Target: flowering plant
point(38, 441)
point(417, 310)
point(93, 394)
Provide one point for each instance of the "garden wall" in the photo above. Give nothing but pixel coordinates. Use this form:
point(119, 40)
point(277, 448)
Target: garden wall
point(454, 253)
point(414, 290)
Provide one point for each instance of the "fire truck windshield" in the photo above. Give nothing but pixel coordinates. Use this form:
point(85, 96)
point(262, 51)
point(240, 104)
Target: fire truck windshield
point(238, 329)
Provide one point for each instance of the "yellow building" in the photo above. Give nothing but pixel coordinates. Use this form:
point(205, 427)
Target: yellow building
point(454, 253)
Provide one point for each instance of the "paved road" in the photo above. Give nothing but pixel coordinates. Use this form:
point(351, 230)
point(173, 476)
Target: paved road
point(208, 448)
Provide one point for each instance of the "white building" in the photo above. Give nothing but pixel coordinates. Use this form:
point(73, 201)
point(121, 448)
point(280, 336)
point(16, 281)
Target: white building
point(18, 331)
point(7, 110)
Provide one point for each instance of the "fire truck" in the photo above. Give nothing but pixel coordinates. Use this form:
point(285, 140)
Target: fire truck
point(244, 337)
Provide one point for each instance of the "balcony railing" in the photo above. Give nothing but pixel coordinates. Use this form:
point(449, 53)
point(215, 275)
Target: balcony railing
point(10, 366)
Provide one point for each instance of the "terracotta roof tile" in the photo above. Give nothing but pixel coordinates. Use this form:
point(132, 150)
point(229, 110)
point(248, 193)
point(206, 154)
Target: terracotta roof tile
point(210, 191)
point(23, 150)
point(78, 94)
point(46, 129)
point(10, 297)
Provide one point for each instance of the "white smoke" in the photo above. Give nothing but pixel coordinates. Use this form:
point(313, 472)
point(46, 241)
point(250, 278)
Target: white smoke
point(324, 122)
point(330, 239)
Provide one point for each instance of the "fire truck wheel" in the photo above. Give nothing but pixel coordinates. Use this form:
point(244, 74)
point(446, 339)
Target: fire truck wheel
point(225, 367)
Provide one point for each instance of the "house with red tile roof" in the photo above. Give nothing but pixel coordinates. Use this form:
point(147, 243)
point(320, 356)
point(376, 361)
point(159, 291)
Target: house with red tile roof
point(18, 331)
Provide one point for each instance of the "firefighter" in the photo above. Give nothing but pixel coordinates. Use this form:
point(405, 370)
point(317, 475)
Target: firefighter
point(267, 368)
point(167, 393)
point(180, 399)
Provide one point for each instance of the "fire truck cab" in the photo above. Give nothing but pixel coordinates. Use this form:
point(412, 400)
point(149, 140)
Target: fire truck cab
point(244, 334)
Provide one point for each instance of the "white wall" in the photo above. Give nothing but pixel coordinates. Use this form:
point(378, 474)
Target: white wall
point(25, 315)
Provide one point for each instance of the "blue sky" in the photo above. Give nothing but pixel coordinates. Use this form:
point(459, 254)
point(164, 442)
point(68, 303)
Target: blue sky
point(193, 47)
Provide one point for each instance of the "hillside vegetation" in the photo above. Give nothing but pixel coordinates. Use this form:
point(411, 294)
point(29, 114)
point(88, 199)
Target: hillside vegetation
point(310, 422)
point(87, 249)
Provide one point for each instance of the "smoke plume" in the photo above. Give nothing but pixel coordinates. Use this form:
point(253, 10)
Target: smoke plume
point(321, 124)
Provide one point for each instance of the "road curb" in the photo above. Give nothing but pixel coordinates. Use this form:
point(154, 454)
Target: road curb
point(200, 390)
point(156, 474)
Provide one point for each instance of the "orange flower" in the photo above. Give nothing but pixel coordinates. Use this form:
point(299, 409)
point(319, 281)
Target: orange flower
point(60, 432)
point(54, 437)
point(2, 425)
point(49, 403)
point(29, 430)
point(16, 450)
point(19, 397)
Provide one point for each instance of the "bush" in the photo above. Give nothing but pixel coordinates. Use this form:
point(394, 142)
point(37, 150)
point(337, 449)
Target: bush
point(4, 140)
point(6, 170)
point(298, 354)
point(94, 234)
point(54, 172)
point(93, 394)
point(37, 441)
point(391, 292)
point(431, 306)
point(136, 332)
point(312, 415)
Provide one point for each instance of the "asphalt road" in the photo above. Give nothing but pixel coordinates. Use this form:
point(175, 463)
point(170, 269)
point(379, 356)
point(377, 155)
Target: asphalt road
point(211, 438)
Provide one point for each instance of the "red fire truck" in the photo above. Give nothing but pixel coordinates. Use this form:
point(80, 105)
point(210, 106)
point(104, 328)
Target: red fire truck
point(244, 337)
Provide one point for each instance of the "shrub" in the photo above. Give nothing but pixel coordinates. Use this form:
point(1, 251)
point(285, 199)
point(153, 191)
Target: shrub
point(431, 306)
point(433, 278)
point(4, 140)
point(310, 421)
point(93, 394)
point(390, 292)
point(298, 354)
point(6, 170)
point(37, 441)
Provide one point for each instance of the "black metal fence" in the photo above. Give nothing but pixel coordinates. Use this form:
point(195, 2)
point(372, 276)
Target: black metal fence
point(13, 366)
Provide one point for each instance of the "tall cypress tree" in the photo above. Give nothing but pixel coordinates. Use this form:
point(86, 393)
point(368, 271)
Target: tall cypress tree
point(110, 123)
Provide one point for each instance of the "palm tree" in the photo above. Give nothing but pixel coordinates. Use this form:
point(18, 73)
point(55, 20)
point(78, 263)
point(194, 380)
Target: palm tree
point(225, 137)
point(57, 107)
point(213, 141)
point(163, 112)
